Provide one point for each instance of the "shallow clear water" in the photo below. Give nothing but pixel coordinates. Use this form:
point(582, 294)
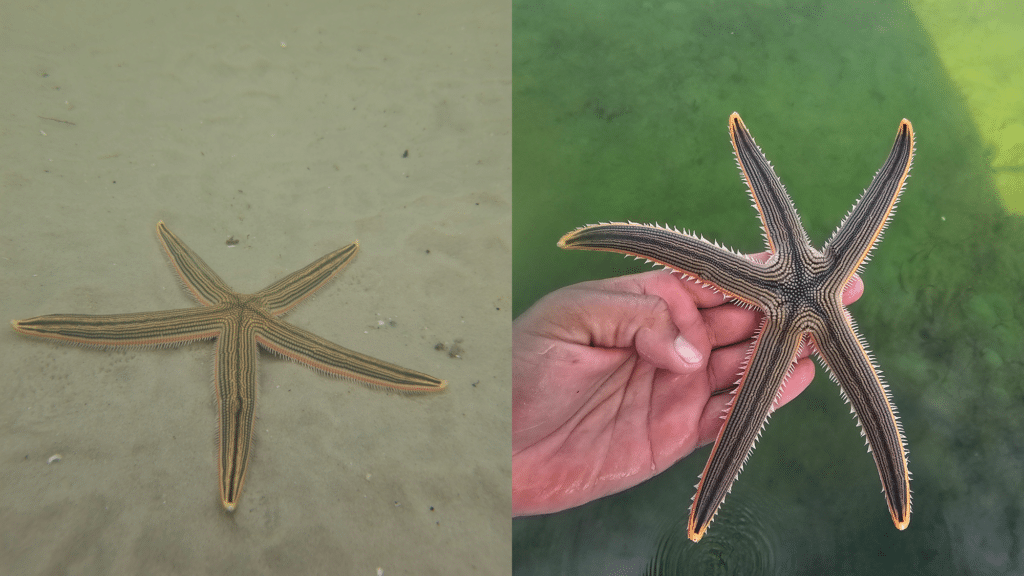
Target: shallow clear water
point(620, 113)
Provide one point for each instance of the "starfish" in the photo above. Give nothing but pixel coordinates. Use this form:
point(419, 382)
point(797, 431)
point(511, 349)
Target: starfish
point(799, 290)
point(238, 322)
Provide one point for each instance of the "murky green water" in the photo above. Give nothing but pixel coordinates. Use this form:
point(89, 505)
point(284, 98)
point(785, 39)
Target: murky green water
point(620, 112)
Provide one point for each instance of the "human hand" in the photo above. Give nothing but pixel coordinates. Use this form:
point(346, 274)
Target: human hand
point(615, 380)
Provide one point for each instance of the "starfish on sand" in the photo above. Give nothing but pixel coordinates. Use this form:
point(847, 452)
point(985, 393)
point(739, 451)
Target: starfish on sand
point(238, 322)
point(799, 289)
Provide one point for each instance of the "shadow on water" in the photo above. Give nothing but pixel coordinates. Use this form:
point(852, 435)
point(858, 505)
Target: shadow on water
point(620, 112)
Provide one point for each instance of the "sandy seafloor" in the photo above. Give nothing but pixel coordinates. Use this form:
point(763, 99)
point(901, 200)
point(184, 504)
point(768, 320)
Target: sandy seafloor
point(283, 126)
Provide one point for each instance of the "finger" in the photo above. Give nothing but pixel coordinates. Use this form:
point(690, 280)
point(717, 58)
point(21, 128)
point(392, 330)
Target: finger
point(626, 320)
point(799, 380)
point(702, 295)
point(853, 291)
point(705, 296)
point(675, 413)
point(712, 418)
point(730, 324)
point(725, 365)
point(689, 344)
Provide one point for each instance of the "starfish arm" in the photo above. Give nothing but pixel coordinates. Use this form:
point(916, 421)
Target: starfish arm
point(235, 368)
point(754, 398)
point(862, 228)
point(783, 231)
point(125, 330)
point(732, 273)
point(283, 295)
point(204, 284)
point(850, 364)
point(327, 357)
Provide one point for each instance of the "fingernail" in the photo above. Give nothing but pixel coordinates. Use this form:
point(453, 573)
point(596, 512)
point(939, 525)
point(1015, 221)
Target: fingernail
point(686, 351)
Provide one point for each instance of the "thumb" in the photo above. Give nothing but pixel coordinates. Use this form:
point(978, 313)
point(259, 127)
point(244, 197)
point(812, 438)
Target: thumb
point(654, 315)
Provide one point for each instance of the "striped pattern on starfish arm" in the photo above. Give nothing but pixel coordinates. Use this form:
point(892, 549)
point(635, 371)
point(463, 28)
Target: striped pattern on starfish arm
point(238, 322)
point(799, 290)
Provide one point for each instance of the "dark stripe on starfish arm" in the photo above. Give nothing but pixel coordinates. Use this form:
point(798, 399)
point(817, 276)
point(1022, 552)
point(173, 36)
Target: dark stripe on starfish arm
point(732, 273)
point(198, 278)
point(755, 396)
point(861, 230)
point(283, 295)
point(851, 366)
point(782, 226)
point(125, 330)
point(323, 355)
